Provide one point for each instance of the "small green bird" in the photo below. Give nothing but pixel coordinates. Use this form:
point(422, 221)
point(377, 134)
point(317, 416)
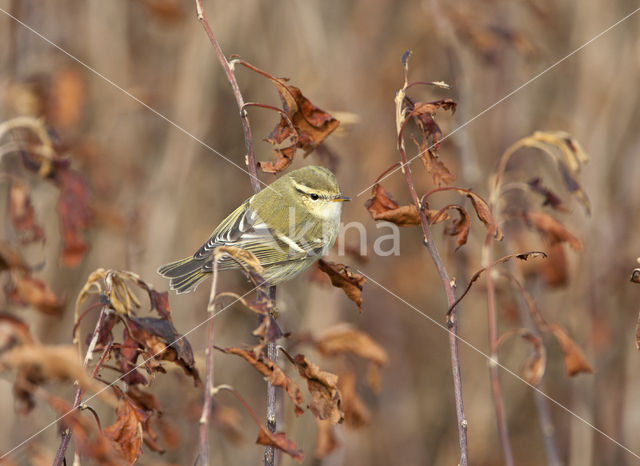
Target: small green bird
point(288, 226)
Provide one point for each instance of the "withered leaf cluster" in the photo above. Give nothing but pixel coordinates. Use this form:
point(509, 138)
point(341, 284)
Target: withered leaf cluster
point(302, 125)
point(41, 156)
point(146, 343)
point(534, 367)
point(151, 339)
point(332, 397)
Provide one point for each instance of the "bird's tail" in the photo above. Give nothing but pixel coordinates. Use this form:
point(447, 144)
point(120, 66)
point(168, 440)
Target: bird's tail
point(185, 275)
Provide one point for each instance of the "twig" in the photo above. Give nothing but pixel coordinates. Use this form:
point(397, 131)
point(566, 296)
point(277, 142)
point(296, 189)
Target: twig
point(246, 127)
point(77, 397)
point(446, 283)
point(269, 457)
point(205, 418)
point(496, 389)
point(534, 322)
point(272, 401)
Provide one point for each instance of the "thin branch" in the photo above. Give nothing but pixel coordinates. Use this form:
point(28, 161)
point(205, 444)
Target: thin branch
point(269, 457)
point(272, 398)
point(205, 418)
point(475, 276)
point(532, 320)
point(446, 283)
point(246, 127)
point(496, 388)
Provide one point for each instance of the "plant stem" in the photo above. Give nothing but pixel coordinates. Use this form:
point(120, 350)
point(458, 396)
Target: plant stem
point(547, 428)
point(77, 397)
point(246, 127)
point(272, 409)
point(496, 389)
point(269, 456)
point(453, 330)
point(205, 418)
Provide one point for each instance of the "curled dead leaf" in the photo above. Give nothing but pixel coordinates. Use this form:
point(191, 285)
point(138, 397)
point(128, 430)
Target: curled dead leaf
point(126, 432)
point(304, 127)
point(344, 339)
point(535, 365)
point(382, 207)
point(272, 373)
point(159, 339)
point(484, 214)
point(342, 277)
point(551, 229)
point(280, 441)
point(323, 386)
point(459, 227)
point(555, 270)
point(574, 359)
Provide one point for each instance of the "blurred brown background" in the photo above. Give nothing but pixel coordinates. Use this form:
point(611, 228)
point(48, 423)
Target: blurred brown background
point(157, 193)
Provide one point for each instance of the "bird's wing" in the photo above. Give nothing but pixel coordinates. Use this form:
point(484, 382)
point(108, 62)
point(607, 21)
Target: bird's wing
point(244, 229)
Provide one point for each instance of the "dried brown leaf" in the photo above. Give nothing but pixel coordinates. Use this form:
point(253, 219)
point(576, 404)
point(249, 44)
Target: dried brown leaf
point(342, 277)
point(272, 373)
point(459, 227)
point(311, 126)
point(126, 431)
point(323, 386)
point(75, 215)
point(535, 365)
point(555, 270)
point(574, 359)
point(484, 214)
point(552, 229)
point(344, 339)
point(432, 163)
point(382, 207)
point(160, 340)
point(280, 441)
point(28, 290)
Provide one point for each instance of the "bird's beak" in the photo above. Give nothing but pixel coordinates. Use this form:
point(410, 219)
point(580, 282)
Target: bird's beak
point(341, 198)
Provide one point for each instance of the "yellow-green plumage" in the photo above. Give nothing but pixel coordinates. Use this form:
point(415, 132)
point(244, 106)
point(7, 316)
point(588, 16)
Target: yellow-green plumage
point(287, 226)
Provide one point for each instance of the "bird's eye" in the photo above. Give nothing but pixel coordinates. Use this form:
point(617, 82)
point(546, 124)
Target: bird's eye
point(314, 196)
